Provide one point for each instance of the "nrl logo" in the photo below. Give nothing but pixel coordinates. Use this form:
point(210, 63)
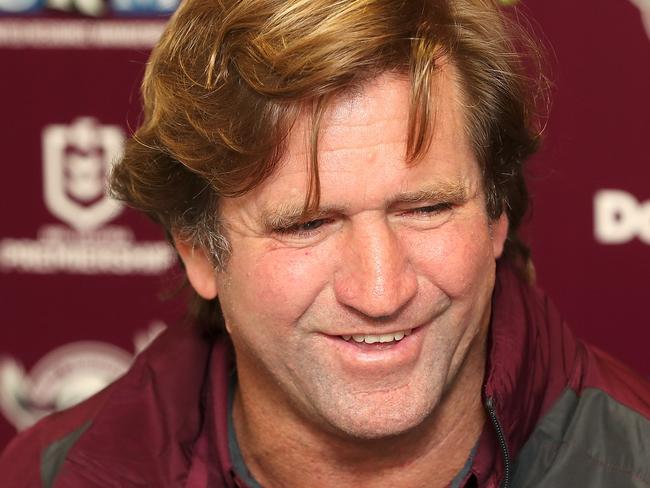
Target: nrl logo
point(644, 7)
point(76, 161)
point(63, 377)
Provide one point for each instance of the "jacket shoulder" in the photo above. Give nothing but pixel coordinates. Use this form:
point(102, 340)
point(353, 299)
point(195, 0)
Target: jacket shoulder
point(602, 372)
point(596, 434)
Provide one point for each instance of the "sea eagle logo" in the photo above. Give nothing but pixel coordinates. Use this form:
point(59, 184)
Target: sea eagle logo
point(64, 377)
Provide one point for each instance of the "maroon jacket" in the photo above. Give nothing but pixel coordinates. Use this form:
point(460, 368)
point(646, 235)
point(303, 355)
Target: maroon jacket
point(562, 414)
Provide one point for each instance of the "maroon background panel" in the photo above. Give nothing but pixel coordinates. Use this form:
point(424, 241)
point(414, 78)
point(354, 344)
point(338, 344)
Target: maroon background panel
point(80, 290)
point(81, 279)
point(597, 140)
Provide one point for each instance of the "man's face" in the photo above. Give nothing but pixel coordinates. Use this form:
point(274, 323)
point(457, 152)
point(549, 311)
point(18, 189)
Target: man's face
point(398, 253)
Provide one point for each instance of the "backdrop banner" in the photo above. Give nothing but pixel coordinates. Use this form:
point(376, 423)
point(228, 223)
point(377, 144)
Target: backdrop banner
point(85, 284)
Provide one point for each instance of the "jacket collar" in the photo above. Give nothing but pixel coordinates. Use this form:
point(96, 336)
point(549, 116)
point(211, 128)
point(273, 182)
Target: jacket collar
point(530, 353)
point(145, 430)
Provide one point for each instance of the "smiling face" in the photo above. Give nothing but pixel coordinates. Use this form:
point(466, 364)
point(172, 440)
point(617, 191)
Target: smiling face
point(359, 318)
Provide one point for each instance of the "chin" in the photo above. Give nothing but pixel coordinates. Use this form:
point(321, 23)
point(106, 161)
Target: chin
point(381, 418)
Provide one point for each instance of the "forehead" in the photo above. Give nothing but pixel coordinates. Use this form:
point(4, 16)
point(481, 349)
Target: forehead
point(382, 105)
point(362, 146)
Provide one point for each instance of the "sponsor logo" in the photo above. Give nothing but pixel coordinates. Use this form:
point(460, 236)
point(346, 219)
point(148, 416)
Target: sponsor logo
point(63, 377)
point(619, 217)
point(53, 33)
point(644, 7)
point(92, 8)
point(76, 161)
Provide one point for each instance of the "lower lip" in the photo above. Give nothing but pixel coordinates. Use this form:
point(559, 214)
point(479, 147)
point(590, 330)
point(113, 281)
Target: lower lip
point(389, 355)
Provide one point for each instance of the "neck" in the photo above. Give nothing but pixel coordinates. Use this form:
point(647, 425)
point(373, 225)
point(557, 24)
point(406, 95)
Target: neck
point(283, 449)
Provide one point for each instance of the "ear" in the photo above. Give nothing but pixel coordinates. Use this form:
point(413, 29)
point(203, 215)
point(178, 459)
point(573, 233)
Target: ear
point(499, 234)
point(200, 270)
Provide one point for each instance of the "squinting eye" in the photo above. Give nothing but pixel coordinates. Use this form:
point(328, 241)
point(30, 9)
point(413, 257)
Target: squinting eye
point(432, 209)
point(303, 228)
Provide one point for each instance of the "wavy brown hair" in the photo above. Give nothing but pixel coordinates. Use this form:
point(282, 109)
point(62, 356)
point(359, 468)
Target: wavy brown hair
point(228, 79)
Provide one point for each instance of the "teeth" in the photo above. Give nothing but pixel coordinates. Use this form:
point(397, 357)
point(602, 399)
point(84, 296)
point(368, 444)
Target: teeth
point(372, 339)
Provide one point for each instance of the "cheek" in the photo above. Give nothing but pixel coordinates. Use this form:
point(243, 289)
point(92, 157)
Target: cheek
point(457, 259)
point(278, 285)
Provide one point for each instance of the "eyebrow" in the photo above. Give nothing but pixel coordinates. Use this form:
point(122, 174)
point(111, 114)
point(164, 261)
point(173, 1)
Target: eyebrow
point(289, 214)
point(453, 192)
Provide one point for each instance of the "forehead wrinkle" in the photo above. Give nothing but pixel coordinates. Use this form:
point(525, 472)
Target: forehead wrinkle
point(328, 150)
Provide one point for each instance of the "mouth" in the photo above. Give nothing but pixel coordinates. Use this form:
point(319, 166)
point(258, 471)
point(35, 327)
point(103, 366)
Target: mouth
point(375, 354)
point(392, 337)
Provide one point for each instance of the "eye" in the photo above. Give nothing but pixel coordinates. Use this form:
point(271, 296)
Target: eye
point(431, 209)
point(303, 229)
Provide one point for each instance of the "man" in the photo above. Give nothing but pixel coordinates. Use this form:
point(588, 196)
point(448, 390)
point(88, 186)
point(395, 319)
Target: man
point(344, 184)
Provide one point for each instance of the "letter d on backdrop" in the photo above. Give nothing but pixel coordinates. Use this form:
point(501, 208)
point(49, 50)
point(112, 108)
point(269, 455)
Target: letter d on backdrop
point(619, 217)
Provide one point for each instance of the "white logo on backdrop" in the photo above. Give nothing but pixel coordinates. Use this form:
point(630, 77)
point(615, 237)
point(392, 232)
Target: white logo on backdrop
point(77, 159)
point(644, 7)
point(619, 217)
point(64, 377)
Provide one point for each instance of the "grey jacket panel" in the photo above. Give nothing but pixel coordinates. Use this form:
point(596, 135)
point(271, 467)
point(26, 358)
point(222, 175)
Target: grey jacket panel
point(589, 441)
point(54, 455)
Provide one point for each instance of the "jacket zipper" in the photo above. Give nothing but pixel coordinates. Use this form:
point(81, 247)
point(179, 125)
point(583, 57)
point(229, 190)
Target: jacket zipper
point(501, 439)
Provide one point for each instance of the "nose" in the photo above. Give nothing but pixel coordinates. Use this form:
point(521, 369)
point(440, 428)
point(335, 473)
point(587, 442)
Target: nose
point(374, 276)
